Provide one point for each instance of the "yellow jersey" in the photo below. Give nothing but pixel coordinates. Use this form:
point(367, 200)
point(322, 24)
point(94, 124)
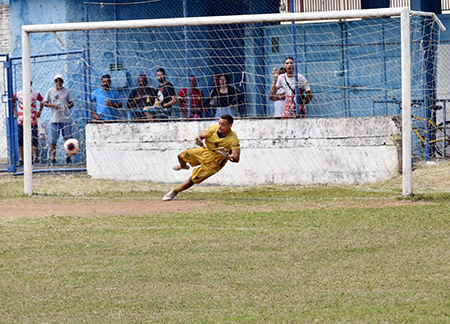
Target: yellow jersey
point(208, 158)
point(214, 140)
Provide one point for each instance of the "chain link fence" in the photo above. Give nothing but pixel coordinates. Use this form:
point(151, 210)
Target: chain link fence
point(49, 65)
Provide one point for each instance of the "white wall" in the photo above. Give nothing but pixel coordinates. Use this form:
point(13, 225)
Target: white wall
point(294, 151)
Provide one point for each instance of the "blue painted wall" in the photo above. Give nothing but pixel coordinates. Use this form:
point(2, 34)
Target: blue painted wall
point(341, 60)
point(339, 79)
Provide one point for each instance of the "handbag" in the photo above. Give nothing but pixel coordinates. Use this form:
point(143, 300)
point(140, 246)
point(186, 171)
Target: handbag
point(290, 106)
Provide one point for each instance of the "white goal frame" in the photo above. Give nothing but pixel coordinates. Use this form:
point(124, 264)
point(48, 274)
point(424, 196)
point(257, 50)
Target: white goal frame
point(404, 13)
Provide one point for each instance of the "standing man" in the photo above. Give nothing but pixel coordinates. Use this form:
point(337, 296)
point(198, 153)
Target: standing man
point(35, 114)
point(221, 145)
point(165, 96)
point(195, 96)
point(143, 97)
point(279, 98)
point(106, 100)
point(60, 100)
point(287, 82)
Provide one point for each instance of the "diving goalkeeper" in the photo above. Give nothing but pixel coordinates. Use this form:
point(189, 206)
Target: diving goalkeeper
point(221, 146)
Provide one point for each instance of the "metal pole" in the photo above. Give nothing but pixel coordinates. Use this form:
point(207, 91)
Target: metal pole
point(186, 52)
point(202, 21)
point(26, 77)
point(406, 101)
point(84, 70)
point(88, 59)
point(11, 120)
point(294, 50)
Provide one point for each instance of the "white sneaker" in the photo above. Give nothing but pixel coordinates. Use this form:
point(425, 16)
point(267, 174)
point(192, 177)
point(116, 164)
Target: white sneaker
point(179, 167)
point(170, 195)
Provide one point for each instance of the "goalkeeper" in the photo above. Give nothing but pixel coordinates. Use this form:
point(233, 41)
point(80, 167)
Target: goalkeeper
point(221, 146)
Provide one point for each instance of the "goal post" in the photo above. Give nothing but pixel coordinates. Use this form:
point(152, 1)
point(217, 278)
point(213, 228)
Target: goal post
point(271, 19)
point(26, 72)
point(406, 102)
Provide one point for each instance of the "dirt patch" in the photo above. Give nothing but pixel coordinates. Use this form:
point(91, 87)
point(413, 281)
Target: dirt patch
point(90, 208)
point(73, 207)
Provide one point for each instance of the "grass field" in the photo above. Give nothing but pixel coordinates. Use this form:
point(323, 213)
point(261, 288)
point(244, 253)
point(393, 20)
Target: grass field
point(90, 251)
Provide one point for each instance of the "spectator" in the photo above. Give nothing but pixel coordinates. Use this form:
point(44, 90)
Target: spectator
point(165, 97)
point(106, 100)
point(287, 82)
point(224, 98)
point(210, 103)
point(194, 96)
point(143, 97)
point(60, 100)
point(35, 114)
point(278, 98)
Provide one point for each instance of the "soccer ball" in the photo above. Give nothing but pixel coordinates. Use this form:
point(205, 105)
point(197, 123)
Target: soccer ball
point(71, 146)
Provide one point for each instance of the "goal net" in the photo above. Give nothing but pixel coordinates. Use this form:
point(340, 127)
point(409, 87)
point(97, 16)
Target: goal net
point(359, 67)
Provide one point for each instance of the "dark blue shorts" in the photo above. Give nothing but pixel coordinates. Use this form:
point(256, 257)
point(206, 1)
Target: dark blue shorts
point(56, 128)
point(34, 135)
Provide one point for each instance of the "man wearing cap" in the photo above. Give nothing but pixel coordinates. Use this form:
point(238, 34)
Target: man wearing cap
point(60, 100)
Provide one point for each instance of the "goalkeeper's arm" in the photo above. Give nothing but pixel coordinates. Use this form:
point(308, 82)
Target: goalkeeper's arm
point(233, 157)
point(199, 139)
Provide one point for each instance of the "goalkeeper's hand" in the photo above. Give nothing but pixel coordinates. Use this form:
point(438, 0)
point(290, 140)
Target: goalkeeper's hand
point(222, 151)
point(198, 141)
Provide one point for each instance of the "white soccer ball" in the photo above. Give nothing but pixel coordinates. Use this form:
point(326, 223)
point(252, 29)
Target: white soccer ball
point(72, 146)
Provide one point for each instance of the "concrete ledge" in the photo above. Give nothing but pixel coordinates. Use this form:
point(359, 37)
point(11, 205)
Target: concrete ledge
point(292, 152)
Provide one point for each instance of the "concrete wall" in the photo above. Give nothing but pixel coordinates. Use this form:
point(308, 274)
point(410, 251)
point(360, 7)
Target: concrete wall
point(4, 29)
point(295, 151)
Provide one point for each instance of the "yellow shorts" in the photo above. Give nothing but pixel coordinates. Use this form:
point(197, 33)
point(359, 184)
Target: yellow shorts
point(210, 163)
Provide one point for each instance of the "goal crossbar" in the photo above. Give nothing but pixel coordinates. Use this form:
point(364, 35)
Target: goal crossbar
point(202, 21)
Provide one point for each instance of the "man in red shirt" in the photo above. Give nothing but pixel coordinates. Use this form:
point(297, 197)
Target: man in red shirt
point(195, 96)
point(35, 114)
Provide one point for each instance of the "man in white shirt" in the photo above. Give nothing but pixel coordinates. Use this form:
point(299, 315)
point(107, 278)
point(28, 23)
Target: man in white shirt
point(287, 82)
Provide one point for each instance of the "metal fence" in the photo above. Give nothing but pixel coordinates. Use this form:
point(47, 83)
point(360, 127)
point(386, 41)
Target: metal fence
point(42, 65)
point(4, 157)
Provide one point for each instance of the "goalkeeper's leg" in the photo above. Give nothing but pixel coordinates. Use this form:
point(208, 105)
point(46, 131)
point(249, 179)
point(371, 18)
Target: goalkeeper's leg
point(199, 175)
point(194, 157)
point(191, 156)
point(174, 192)
point(182, 165)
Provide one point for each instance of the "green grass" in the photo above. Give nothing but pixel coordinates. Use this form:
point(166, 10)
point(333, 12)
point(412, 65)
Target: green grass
point(254, 255)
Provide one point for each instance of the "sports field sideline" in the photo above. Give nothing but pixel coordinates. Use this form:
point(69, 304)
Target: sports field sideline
point(84, 250)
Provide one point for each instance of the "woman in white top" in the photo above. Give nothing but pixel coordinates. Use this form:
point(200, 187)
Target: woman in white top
point(278, 98)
